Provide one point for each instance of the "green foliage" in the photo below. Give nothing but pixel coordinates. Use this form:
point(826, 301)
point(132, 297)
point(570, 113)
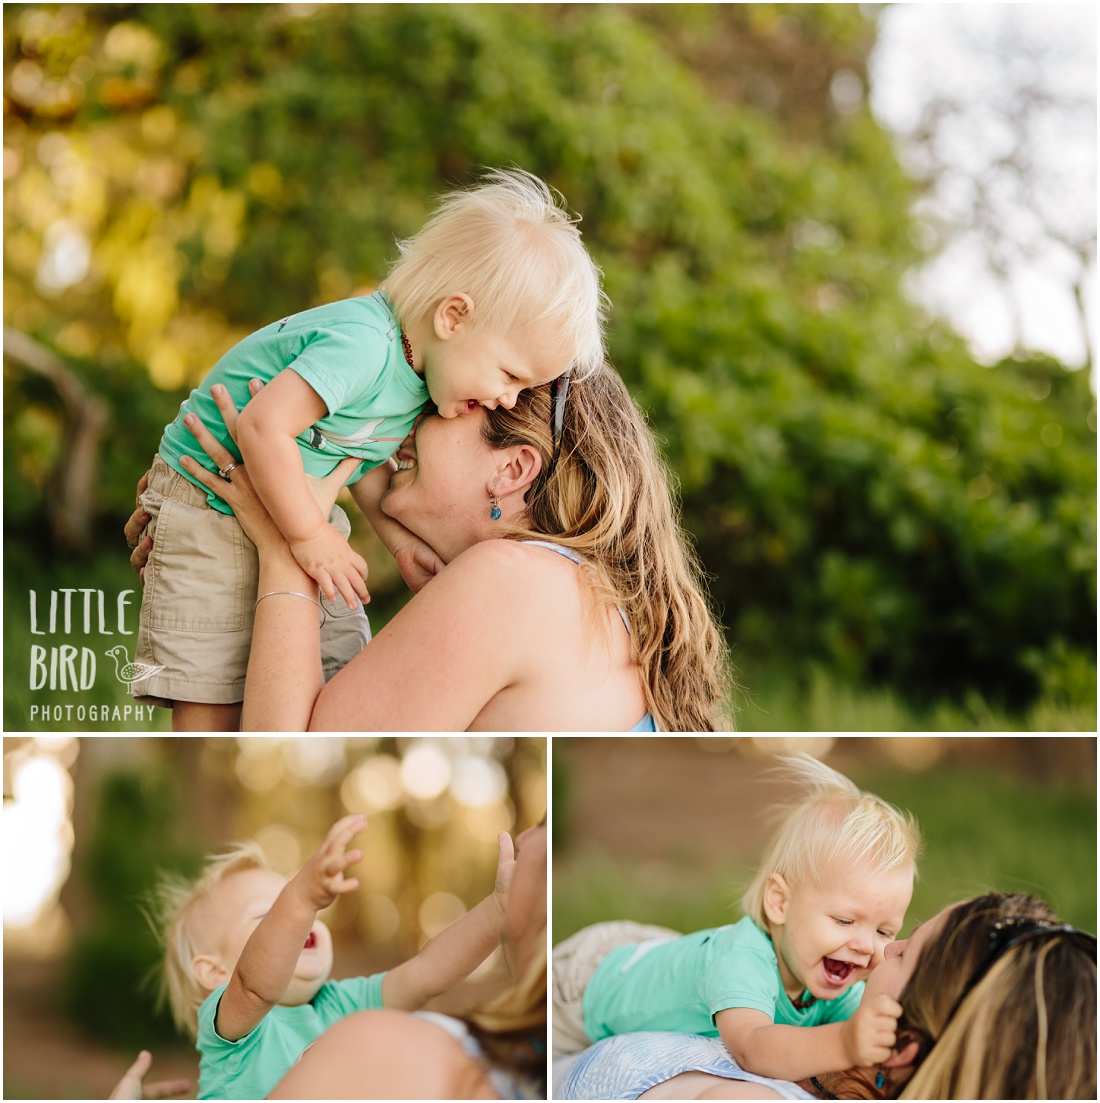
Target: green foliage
point(863, 494)
point(107, 986)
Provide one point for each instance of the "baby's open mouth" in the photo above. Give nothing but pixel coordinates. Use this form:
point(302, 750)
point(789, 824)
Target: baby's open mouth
point(837, 972)
point(311, 941)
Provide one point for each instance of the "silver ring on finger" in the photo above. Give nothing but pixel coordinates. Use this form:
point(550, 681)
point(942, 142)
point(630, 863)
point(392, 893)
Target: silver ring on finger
point(228, 470)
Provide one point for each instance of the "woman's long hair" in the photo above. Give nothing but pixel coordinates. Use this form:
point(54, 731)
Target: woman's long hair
point(1025, 1030)
point(608, 498)
point(512, 1027)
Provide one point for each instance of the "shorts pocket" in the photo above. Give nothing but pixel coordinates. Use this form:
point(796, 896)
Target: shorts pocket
point(197, 576)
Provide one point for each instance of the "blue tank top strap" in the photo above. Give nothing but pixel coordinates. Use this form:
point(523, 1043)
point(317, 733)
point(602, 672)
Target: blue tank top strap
point(646, 724)
point(569, 553)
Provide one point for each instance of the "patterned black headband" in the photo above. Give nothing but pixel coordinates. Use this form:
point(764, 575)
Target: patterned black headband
point(1012, 931)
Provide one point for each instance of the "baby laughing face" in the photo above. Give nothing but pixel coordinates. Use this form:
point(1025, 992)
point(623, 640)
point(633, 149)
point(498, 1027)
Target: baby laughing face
point(223, 923)
point(830, 934)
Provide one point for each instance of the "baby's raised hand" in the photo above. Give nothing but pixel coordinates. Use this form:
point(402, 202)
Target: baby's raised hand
point(334, 565)
point(506, 865)
point(869, 1035)
point(322, 878)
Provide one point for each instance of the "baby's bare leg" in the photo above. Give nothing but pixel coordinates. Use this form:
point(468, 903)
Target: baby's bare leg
point(195, 716)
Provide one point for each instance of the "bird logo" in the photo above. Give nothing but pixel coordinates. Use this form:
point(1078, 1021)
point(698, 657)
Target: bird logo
point(127, 672)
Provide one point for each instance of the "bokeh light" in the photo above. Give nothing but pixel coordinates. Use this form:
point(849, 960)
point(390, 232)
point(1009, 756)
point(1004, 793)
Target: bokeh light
point(259, 768)
point(38, 840)
point(379, 919)
point(282, 847)
point(374, 785)
point(478, 781)
point(318, 760)
point(440, 910)
point(425, 771)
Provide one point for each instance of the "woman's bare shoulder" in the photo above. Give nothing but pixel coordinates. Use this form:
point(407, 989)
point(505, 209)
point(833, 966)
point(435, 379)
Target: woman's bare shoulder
point(516, 562)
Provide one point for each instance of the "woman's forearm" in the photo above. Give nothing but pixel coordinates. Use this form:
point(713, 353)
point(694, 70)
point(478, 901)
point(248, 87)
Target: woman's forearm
point(284, 666)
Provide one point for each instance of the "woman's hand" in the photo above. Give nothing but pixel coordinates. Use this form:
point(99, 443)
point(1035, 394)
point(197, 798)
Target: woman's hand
point(140, 545)
point(131, 1086)
point(506, 866)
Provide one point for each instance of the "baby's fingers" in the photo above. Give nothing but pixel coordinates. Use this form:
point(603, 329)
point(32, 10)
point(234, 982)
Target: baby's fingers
point(347, 589)
point(344, 830)
point(335, 863)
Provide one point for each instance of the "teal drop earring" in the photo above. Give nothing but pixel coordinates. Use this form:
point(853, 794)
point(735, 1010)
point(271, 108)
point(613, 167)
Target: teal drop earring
point(494, 506)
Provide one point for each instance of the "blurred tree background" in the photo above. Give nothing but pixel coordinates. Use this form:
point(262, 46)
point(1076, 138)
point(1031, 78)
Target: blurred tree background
point(89, 824)
point(896, 535)
point(670, 831)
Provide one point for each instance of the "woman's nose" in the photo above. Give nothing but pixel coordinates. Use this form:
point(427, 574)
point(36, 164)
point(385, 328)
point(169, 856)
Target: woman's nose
point(893, 949)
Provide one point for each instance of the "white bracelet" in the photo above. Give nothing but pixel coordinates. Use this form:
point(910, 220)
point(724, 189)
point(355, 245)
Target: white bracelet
point(292, 593)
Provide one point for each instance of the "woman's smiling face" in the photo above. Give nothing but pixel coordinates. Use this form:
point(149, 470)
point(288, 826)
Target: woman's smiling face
point(440, 490)
point(901, 957)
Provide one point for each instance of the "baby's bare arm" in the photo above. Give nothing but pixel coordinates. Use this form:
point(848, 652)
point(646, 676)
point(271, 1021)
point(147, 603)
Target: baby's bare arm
point(267, 962)
point(772, 1049)
point(265, 435)
point(419, 563)
point(795, 1052)
point(266, 431)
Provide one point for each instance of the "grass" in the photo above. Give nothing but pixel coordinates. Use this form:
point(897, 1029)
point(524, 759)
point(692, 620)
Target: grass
point(776, 699)
point(982, 831)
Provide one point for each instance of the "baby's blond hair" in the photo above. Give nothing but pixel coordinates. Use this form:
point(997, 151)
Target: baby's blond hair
point(510, 244)
point(834, 821)
point(172, 918)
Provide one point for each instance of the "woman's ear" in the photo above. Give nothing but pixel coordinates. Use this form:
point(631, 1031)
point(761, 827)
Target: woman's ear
point(208, 971)
point(517, 468)
point(905, 1052)
point(777, 895)
point(451, 313)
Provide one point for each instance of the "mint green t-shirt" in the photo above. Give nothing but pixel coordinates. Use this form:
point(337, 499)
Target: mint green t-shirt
point(681, 983)
point(250, 1067)
point(350, 353)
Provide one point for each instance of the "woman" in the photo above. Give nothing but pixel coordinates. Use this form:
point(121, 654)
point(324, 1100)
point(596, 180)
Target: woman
point(998, 1002)
point(570, 601)
point(497, 1052)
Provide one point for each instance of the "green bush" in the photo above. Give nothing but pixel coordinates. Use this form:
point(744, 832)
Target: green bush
point(863, 494)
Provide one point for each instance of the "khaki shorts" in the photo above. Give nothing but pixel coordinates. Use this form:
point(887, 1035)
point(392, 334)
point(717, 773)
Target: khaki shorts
point(574, 962)
point(200, 593)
